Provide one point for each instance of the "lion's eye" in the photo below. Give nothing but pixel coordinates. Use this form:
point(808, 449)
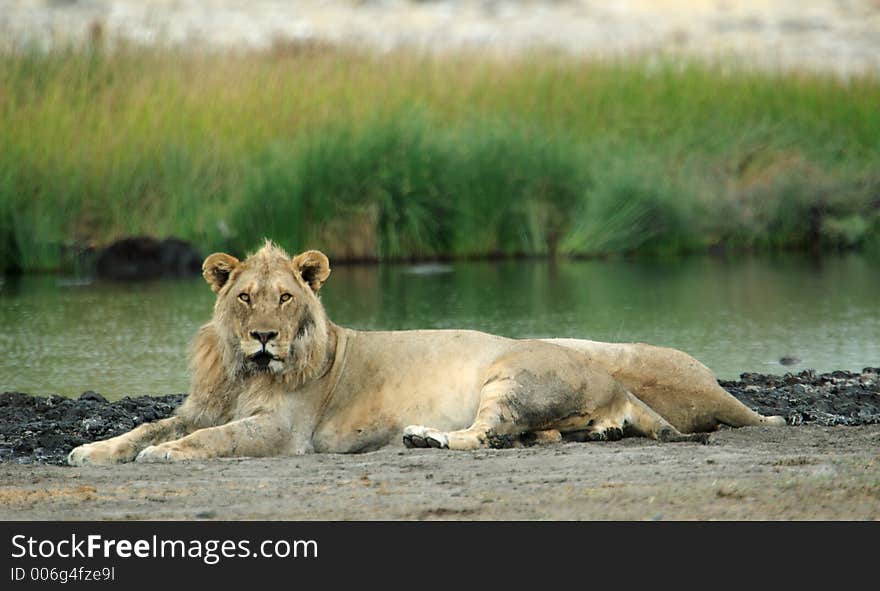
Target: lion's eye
point(285, 297)
point(244, 297)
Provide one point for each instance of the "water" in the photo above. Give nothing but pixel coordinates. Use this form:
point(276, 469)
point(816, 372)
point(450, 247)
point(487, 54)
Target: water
point(67, 336)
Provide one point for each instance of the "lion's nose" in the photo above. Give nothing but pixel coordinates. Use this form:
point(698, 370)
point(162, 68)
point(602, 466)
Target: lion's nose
point(263, 337)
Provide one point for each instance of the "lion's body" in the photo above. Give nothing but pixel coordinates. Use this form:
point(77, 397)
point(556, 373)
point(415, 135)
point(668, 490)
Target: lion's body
point(681, 389)
point(273, 376)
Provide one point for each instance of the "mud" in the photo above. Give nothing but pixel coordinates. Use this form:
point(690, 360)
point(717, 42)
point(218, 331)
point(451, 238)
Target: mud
point(43, 429)
point(825, 467)
point(836, 398)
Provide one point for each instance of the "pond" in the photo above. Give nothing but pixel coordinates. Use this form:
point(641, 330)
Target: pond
point(65, 336)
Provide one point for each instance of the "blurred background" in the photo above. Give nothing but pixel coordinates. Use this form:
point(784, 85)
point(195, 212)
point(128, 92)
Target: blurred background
point(701, 174)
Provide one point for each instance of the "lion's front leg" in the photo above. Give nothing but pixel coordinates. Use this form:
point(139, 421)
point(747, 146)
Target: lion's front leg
point(125, 447)
point(258, 435)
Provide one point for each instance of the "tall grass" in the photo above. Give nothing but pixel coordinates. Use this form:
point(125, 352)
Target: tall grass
point(473, 190)
point(400, 155)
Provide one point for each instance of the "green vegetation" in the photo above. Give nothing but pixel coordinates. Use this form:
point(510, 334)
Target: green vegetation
point(395, 156)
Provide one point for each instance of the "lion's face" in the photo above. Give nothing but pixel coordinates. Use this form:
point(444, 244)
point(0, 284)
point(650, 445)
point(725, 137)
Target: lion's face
point(267, 310)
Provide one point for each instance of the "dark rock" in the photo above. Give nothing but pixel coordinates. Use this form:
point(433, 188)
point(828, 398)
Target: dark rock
point(144, 257)
point(789, 360)
point(836, 398)
point(56, 399)
point(92, 395)
point(93, 424)
point(45, 429)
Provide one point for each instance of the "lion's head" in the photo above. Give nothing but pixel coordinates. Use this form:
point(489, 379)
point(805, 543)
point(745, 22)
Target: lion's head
point(268, 317)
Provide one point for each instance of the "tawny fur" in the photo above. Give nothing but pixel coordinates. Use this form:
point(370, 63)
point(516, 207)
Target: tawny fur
point(272, 375)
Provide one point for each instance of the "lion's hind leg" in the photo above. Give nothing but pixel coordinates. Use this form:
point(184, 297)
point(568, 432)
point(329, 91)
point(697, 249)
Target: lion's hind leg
point(643, 420)
point(625, 415)
point(551, 391)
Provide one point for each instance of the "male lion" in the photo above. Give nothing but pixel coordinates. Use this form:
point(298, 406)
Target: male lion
point(272, 375)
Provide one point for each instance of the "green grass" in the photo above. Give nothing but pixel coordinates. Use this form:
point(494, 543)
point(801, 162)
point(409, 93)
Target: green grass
point(412, 156)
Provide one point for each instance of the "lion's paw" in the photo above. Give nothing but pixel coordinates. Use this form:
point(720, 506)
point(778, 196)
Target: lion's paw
point(95, 454)
point(81, 456)
point(419, 436)
point(608, 434)
point(160, 454)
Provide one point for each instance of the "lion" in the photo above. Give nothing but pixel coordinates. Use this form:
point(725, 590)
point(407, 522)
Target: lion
point(272, 375)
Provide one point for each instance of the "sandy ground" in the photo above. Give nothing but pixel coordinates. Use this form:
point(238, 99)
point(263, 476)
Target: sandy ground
point(826, 465)
point(754, 473)
point(838, 35)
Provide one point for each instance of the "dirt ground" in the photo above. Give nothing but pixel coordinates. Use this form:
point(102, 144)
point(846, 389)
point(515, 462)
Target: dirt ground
point(795, 472)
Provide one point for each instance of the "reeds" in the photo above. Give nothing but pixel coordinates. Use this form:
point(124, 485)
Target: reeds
point(413, 156)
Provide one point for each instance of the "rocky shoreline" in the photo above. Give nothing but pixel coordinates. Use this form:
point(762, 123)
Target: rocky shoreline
point(42, 430)
point(828, 399)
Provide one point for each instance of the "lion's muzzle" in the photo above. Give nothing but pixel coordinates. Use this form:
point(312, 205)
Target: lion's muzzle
point(263, 357)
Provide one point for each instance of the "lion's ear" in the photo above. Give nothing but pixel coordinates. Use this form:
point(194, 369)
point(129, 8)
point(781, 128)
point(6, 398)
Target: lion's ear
point(216, 269)
point(313, 266)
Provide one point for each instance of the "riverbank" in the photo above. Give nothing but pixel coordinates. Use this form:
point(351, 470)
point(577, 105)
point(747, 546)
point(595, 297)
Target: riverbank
point(819, 469)
point(44, 429)
point(380, 156)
